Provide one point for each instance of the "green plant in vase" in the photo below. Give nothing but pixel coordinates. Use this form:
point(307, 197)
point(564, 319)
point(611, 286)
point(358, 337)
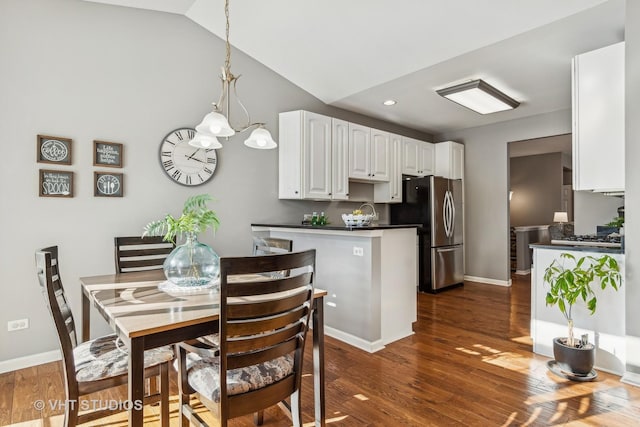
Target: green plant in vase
point(569, 285)
point(192, 264)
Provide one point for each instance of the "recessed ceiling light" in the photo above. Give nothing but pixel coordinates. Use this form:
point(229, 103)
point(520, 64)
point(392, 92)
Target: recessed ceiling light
point(479, 96)
point(389, 102)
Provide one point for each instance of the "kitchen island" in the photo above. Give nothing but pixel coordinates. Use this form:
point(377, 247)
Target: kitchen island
point(606, 328)
point(370, 274)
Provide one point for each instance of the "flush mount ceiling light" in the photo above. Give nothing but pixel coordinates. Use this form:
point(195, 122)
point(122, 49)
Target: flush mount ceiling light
point(218, 123)
point(389, 102)
point(479, 96)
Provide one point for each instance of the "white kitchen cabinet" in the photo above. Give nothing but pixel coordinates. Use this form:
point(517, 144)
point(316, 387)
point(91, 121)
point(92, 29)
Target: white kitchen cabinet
point(417, 157)
point(391, 191)
point(305, 156)
point(369, 154)
point(598, 79)
point(449, 160)
point(339, 160)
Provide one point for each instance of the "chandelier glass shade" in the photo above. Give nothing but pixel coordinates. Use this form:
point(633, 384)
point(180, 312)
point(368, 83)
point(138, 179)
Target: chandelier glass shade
point(218, 122)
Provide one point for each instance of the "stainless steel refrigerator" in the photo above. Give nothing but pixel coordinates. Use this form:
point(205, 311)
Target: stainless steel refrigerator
point(434, 203)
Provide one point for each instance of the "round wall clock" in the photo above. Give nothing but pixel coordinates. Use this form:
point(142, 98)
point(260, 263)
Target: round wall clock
point(183, 163)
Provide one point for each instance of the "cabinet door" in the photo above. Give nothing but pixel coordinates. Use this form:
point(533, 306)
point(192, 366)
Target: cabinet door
point(290, 155)
point(359, 151)
point(317, 156)
point(391, 191)
point(457, 161)
point(410, 156)
point(340, 160)
point(380, 156)
point(426, 158)
point(599, 119)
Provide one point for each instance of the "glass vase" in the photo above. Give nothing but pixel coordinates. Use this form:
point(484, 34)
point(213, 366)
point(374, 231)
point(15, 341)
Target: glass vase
point(192, 264)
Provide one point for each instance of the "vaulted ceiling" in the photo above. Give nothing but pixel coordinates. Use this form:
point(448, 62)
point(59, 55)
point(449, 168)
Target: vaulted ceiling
point(355, 54)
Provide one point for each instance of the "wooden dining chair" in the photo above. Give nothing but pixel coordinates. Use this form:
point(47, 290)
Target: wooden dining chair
point(271, 245)
point(98, 364)
point(141, 253)
point(263, 326)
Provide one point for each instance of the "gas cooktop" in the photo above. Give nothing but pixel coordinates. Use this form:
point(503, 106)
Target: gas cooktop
point(589, 240)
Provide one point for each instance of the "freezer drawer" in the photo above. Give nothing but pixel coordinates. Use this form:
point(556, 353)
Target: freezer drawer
point(447, 266)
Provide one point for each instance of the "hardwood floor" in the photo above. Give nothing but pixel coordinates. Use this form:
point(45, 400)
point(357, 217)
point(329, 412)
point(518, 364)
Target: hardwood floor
point(468, 364)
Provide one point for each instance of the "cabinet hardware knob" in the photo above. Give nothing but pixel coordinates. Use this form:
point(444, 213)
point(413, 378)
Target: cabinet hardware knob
point(329, 193)
point(296, 192)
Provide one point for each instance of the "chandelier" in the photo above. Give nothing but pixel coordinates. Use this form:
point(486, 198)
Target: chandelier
point(218, 122)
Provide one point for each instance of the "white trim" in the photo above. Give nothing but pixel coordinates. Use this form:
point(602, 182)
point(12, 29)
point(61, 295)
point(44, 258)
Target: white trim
point(631, 378)
point(29, 361)
point(488, 281)
point(369, 346)
point(523, 272)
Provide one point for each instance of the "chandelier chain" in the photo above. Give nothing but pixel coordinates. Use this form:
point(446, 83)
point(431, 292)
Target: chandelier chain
point(227, 61)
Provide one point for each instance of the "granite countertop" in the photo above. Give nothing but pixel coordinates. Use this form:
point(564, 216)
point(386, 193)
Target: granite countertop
point(341, 228)
point(581, 248)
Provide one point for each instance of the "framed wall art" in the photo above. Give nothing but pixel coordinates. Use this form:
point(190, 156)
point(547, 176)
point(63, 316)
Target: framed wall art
point(108, 154)
point(55, 183)
point(53, 149)
point(107, 184)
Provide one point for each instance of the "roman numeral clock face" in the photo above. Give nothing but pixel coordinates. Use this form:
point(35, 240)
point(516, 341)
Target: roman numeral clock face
point(183, 163)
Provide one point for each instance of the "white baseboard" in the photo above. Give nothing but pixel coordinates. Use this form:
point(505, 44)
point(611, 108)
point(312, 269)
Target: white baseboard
point(523, 272)
point(631, 378)
point(29, 361)
point(368, 346)
point(488, 281)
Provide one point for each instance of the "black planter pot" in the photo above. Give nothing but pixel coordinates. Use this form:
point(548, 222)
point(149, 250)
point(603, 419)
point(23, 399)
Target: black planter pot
point(578, 361)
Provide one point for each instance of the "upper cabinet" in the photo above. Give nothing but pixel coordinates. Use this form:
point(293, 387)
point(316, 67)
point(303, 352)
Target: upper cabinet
point(307, 157)
point(598, 119)
point(369, 154)
point(449, 160)
point(417, 157)
point(391, 191)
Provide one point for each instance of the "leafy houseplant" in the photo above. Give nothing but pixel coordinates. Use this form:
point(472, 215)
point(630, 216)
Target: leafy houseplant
point(569, 285)
point(192, 263)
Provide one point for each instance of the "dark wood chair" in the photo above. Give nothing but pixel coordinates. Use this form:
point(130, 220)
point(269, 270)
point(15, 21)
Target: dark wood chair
point(271, 245)
point(264, 319)
point(97, 364)
point(141, 253)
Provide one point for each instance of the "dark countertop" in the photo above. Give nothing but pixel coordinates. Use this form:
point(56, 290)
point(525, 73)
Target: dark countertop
point(581, 248)
point(342, 228)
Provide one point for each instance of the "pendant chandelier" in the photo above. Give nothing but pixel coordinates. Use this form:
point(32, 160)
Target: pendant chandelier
point(218, 122)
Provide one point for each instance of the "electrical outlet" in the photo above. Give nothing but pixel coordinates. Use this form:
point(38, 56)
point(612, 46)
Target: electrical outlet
point(16, 325)
point(358, 251)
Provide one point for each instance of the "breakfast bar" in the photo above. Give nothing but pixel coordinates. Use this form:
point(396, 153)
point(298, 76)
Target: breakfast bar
point(370, 274)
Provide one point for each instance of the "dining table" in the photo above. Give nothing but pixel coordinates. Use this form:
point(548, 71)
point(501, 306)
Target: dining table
point(145, 314)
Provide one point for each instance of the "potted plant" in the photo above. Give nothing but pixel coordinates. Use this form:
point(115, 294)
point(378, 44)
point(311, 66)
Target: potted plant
point(192, 264)
point(569, 285)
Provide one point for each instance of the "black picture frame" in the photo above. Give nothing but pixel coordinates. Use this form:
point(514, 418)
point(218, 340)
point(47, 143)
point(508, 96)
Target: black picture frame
point(108, 154)
point(108, 184)
point(55, 183)
point(54, 150)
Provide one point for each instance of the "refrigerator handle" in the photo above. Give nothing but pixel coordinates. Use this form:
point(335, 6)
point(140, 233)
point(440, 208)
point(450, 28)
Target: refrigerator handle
point(445, 213)
point(446, 250)
point(453, 214)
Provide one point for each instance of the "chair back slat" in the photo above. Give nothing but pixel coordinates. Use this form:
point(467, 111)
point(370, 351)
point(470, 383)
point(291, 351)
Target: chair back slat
point(263, 320)
point(256, 287)
point(141, 253)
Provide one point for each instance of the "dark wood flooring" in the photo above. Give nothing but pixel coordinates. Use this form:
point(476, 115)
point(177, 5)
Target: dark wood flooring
point(468, 364)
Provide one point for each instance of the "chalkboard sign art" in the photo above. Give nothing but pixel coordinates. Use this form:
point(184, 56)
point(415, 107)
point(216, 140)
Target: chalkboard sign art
point(53, 149)
point(107, 154)
point(106, 184)
point(56, 183)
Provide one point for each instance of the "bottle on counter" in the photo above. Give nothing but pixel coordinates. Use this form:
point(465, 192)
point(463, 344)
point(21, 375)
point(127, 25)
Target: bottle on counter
point(314, 218)
point(322, 220)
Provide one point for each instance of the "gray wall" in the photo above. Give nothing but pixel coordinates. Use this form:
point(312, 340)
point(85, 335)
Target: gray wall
point(90, 71)
point(536, 182)
point(487, 187)
point(632, 179)
point(593, 209)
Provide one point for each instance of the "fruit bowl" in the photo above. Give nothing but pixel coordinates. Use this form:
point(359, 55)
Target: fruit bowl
point(351, 220)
